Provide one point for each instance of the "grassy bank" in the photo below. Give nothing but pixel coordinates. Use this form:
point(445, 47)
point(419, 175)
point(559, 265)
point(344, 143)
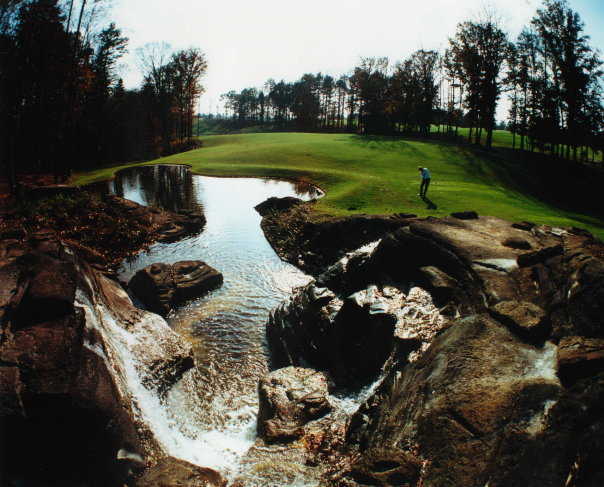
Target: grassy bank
point(378, 175)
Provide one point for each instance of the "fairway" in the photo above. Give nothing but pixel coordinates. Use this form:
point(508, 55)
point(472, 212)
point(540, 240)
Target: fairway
point(375, 175)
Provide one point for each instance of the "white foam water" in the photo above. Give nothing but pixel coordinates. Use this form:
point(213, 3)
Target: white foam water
point(349, 402)
point(174, 428)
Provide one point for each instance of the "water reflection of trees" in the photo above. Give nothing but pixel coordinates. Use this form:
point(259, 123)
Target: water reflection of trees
point(166, 186)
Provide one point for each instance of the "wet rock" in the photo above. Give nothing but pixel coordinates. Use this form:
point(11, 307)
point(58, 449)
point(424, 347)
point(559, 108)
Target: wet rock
point(302, 330)
point(405, 216)
point(364, 327)
point(539, 256)
point(580, 357)
point(439, 284)
point(323, 242)
point(351, 337)
point(584, 298)
point(49, 289)
point(401, 253)
point(475, 383)
point(48, 353)
point(418, 322)
point(525, 226)
point(154, 286)
point(11, 387)
point(79, 365)
point(385, 467)
point(164, 359)
point(277, 204)
point(349, 274)
point(9, 277)
point(523, 318)
point(194, 278)
point(473, 398)
point(173, 472)
point(45, 241)
point(165, 226)
point(161, 286)
point(465, 215)
point(290, 398)
point(517, 243)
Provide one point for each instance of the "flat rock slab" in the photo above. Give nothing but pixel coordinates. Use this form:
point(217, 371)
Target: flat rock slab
point(162, 286)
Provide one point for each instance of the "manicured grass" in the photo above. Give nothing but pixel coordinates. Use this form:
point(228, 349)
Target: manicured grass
point(375, 175)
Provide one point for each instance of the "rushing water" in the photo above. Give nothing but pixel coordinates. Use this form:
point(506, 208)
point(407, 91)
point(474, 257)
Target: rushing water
point(213, 409)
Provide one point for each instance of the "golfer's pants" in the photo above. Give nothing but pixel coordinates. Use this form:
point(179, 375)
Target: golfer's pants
point(423, 188)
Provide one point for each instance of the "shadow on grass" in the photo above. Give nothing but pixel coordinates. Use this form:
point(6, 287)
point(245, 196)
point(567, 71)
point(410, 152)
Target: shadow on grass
point(429, 203)
point(560, 183)
point(385, 143)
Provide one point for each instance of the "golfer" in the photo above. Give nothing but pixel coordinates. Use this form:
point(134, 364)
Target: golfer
point(425, 175)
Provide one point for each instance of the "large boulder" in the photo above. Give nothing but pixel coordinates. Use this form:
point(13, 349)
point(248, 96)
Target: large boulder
point(460, 405)
point(289, 399)
point(161, 286)
point(353, 336)
point(364, 327)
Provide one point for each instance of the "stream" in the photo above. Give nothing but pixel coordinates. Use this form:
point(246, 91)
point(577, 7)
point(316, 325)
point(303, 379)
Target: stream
point(209, 417)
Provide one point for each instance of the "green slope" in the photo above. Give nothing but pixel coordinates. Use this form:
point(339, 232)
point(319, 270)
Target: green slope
point(373, 175)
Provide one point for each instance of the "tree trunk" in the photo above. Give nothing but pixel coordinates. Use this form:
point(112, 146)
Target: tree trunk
point(489, 141)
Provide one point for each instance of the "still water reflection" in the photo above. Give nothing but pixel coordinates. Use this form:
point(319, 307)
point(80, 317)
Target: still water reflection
point(226, 327)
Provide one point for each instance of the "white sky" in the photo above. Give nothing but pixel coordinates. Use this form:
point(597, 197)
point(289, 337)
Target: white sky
point(247, 42)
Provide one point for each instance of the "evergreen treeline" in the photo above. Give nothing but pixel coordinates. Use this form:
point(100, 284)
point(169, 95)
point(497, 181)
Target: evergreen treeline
point(551, 73)
point(62, 104)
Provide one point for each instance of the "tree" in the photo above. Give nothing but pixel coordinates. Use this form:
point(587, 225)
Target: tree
point(573, 66)
point(478, 51)
point(188, 67)
point(370, 82)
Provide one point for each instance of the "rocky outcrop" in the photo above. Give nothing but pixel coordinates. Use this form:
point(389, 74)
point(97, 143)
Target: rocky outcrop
point(351, 337)
point(78, 361)
point(290, 398)
point(101, 229)
point(492, 358)
point(161, 286)
point(474, 394)
point(312, 244)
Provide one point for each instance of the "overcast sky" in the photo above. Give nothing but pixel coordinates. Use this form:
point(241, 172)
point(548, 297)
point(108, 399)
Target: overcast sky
point(247, 42)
